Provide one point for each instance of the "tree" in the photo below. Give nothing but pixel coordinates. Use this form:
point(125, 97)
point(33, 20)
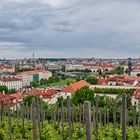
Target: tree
point(34, 84)
point(83, 94)
point(4, 89)
point(78, 78)
point(11, 91)
point(138, 74)
point(60, 100)
point(92, 80)
point(119, 70)
point(28, 99)
point(43, 82)
point(54, 79)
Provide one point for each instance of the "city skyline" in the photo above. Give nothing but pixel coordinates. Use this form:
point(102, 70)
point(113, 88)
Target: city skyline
point(69, 29)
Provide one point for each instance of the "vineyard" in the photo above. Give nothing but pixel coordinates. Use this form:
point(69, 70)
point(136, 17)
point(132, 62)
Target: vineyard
point(67, 122)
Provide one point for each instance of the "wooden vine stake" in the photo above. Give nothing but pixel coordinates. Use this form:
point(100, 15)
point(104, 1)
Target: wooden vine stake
point(62, 120)
point(23, 134)
point(87, 109)
point(34, 119)
point(124, 104)
point(69, 117)
point(38, 117)
point(9, 118)
point(97, 110)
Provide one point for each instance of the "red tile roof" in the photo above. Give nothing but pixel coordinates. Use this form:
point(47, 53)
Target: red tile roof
point(3, 99)
point(9, 78)
point(137, 94)
point(18, 96)
point(120, 76)
point(46, 94)
point(75, 86)
point(131, 79)
point(135, 78)
point(32, 72)
point(5, 67)
point(112, 79)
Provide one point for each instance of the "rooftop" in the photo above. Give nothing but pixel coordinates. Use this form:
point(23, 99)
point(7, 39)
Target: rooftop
point(75, 86)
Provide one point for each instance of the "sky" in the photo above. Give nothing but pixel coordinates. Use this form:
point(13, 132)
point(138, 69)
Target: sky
point(69, 28)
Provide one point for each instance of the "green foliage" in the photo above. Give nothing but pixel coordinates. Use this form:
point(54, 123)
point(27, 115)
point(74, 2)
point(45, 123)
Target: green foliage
point(2, 135)
point(79, 132)
point(11, 91)
point(83, 94)
point(28, 99)
point(107, 73)
point(113, 90)
point(78, 70)
point(4, 89)
point(60, 100)
point(92, 80)
point(54, 132)
point(48, 132)
point(138, 74)
point(43, 81)
point(34, 84)
point(53, 79)
point(119, 70)
point(78, 78)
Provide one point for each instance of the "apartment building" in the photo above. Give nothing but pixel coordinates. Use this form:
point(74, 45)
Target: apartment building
point(29, 76)
point(11, 82)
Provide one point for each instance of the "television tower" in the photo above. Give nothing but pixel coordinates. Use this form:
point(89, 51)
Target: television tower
point(129, 65)
point(33, 56)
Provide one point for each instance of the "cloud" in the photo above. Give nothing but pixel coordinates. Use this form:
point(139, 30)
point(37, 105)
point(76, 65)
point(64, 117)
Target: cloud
point(15, 50)
point(76, 28)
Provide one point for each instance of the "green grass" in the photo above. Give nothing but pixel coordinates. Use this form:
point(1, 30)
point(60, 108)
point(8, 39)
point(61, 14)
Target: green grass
point(60, 83)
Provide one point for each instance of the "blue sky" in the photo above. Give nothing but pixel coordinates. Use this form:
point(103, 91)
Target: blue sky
point(70, 28)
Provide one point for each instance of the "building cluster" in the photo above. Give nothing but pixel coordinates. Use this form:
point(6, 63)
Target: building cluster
point(51, 95)
point(11, 82)
point(120, 80)
point(6, 69)
point(94, 67)
point(23, 79)
point(14, 99)
point(19, 74)
point(29, 76)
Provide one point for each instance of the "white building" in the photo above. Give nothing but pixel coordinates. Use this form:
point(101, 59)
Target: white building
point(29, 76)
point(74, 67)
point(94, 68)
point(44, 74)
point(54, 99)
point(26, 79)
point(5, 68)
point(11, 82)
point(135, 72)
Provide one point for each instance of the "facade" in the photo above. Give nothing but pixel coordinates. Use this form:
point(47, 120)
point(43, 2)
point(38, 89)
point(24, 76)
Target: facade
point(74, 67)
point(44, 74)
point(54, 66)
point(29, 76)
point(94, 68)
point(11, 82)
point(106, 67)
point(135, 72)
point(26, 79)
point(5, 68)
